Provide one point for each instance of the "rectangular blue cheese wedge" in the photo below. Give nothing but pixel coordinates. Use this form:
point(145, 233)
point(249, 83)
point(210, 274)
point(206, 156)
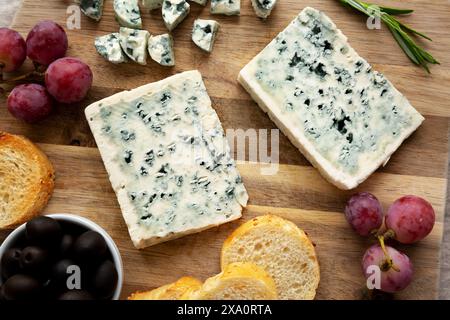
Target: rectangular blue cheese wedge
point(346, 118)
point(168, 159)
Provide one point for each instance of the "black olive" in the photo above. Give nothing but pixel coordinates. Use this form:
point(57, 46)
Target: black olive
point(105, 280)
point(90, 248)
point(59, 273)
point(66, 245)
point(10, 264)
point(43, 231)
point(21, 287)
point(2, 294)
point(34, 260)
point(76, 295)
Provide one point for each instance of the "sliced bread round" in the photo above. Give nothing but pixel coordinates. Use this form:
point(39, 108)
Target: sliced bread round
point(238, 281)
point(26, 180)
point(172, 291)
point(282, 249)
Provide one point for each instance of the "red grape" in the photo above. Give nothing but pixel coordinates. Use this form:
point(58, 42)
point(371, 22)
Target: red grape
point(411, 218)
point(12, 50)
point(46, 42)
point(30, 102)
point(393, 278)
point(68, 80)
point(364, 213)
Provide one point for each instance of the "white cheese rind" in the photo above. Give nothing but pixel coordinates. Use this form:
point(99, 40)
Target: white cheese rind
point(160, 48)
point(174, 118)
point(263, 8)
point(345, 118)
point(134, 44)
point(108, 46)
point(91, 8)
point(152, 4)
point(204, 33)
point(127, 13)
point(227, 7)
point(173, 12)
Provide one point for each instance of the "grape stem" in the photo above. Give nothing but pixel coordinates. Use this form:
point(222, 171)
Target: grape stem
point(30, 76)
point(388, 263)
point(389, 234)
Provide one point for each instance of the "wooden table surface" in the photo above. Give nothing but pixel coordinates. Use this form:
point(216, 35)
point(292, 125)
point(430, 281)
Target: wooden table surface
point(419, 167)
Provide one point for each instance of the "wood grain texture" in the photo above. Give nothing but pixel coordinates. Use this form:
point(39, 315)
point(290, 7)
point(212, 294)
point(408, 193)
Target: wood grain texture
point(297, 191)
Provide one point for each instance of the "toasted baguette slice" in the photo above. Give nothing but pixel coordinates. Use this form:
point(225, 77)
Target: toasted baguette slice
point(172, 291)
point(26, 180)
point(282, 249)
point(238, 281)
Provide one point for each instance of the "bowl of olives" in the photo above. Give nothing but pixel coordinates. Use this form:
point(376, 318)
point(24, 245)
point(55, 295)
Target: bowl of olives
point(60, 257)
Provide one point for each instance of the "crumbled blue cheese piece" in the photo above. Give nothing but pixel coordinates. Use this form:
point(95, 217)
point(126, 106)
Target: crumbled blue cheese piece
point(173, 12)
point(227, 7)
point(108, 46)
point(152, 4)
point(168, 159)
point(91, 8)
point(204, 33)
point(200, 2)
point(263, 8)
point(127, 13)
point(160, 49)
point(134, 44)
point(346, 118)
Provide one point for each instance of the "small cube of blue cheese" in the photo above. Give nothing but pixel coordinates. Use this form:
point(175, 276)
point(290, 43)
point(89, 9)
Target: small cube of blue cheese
point(91, 8)
point(168, 159)
point(346, 118)
point(227, 7)
point(160, 49)
point(173, 12)
point(108, 46)
point(134, 44)
point(152, 4)
point(204, 33)
point(263, 8)
point(200, 2)
point(127, 13)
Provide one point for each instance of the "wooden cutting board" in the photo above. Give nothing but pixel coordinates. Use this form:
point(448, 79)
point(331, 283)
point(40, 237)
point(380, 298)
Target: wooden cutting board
point(297, 192)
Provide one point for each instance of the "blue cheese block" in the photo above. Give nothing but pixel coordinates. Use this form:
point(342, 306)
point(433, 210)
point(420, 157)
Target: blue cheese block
point(91, 8)
point(346, 118)
point(152, 4)
point(127, 13)
point(168, 159)
point(263, 8)
point(200, 2)
point(173, 12)
point(134, 44)
point(204, 33)
point(227, 7)
point(160, 49)
point(108, 46)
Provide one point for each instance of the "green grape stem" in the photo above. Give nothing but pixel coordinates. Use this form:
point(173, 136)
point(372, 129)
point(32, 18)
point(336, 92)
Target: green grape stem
point(387, 263)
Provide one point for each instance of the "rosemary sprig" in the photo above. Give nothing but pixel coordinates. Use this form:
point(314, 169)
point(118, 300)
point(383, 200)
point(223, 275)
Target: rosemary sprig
point(400, 31)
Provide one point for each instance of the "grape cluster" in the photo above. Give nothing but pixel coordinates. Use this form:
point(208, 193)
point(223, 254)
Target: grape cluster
point(408, 220)
point(67, 80)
